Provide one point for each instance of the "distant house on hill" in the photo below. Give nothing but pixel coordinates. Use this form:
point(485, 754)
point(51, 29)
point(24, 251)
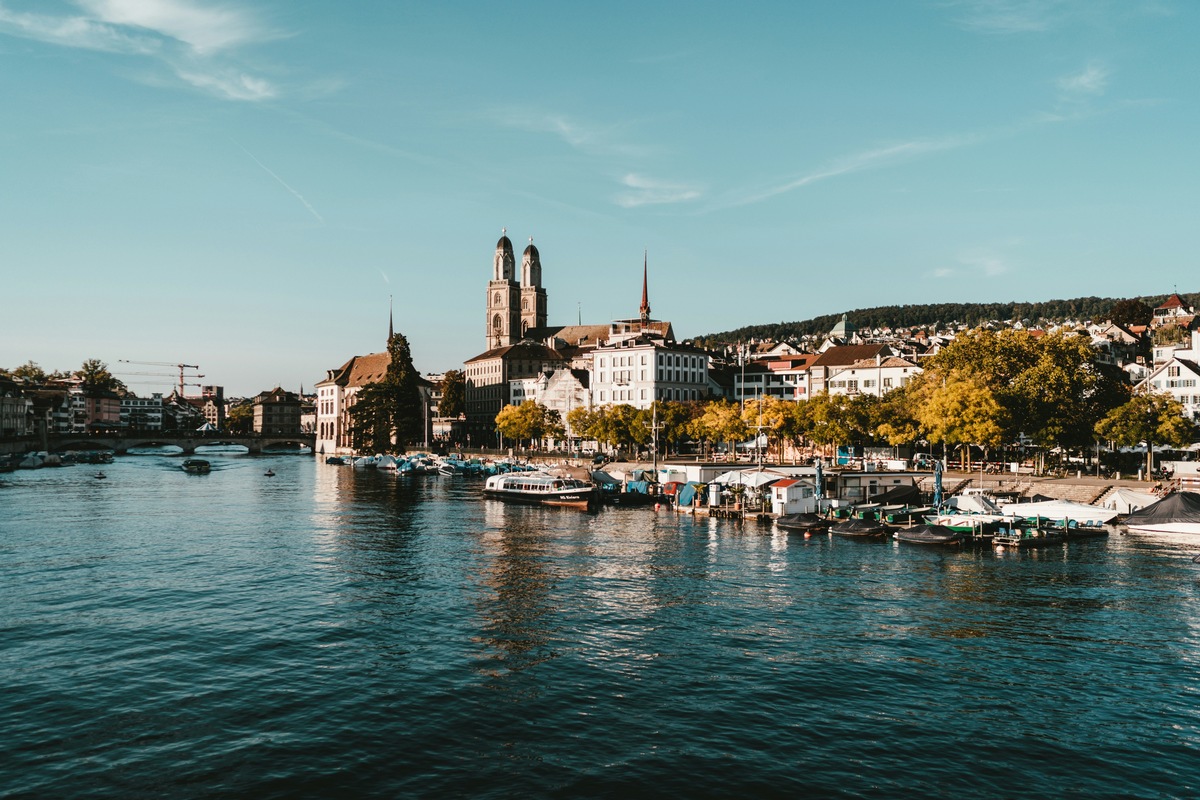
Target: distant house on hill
point(1172, 311)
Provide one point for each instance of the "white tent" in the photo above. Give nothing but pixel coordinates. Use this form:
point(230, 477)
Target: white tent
point(1058, 510)
point(207, 427)
point(753, 478)
point(1126, 501)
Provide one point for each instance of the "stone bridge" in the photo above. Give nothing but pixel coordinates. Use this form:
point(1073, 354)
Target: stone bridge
point(121, 443)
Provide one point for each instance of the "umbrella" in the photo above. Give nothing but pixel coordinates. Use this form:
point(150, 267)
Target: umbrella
point(820, 483)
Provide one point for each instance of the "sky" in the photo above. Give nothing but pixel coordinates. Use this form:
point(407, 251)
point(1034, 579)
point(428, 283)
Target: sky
point(244, 185)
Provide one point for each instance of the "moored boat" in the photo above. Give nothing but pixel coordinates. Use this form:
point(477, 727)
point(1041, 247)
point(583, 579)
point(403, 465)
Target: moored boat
point(803, 523)
point(196, 466)
point(859, 529)
point(929, 534)
point(1177, 513)
point(540, 489)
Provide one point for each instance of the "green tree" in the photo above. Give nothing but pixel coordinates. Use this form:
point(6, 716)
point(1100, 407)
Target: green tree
point(31, 372)
point(95, 377)
point(962, 411)
point(390, 411)
point(1155, 419)
point(240, 418)
point(1131, 312)
point(895, 421)
point(454, 394)
point(720, 421)
point(672, 418)
point(829, 422)
point(529, 421)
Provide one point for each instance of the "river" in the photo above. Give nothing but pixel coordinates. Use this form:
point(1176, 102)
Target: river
point(327, 631)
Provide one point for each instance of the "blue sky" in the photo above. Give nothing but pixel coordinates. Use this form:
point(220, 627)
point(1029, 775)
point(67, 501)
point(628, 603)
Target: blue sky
point(241, 185)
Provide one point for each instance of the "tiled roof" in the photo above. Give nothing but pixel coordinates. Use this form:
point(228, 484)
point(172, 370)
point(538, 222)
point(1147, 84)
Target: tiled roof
point(526, 350)
point(845, 355)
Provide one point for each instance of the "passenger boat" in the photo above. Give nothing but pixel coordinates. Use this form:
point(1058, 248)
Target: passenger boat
point(929, 534)
point(803, 523)
point(540, 489)
point(860, 529)
point(196, 466)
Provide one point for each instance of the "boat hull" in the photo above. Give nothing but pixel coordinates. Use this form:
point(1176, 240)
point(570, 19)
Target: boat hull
point(574, 498)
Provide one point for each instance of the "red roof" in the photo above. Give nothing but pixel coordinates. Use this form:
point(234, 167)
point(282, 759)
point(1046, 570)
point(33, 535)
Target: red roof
point(785, 483)
point(1174, 301)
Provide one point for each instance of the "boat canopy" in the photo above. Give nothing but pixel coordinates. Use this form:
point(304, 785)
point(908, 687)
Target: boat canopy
point(1174, 508)
point(1126, 501)
point(1057, 510)
point(973, 504)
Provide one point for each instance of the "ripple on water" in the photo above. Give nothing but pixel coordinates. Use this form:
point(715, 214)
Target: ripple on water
point(342, 632)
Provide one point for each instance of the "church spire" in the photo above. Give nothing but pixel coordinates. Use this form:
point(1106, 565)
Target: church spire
point(645, 308)
point(390, 329)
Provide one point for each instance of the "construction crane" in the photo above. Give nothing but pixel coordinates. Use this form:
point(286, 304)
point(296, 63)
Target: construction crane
point(180, 367)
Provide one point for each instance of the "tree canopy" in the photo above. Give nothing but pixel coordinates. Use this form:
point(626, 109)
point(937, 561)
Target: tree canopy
point(389, 412)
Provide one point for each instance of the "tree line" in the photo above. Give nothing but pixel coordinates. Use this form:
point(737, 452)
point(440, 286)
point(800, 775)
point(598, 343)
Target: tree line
point(1134, 311)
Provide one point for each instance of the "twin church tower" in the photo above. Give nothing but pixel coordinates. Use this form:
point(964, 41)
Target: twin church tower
point(514, 308)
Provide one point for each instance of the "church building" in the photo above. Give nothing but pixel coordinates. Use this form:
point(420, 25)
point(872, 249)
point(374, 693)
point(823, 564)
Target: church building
point(522, 347)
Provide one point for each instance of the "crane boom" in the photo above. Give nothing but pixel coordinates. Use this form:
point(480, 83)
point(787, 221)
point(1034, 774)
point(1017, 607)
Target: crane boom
point(180, 367)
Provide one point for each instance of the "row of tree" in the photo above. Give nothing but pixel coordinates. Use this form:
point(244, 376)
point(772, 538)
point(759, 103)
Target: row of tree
point(1133, 311)
point(985, 390)
point(93, 375)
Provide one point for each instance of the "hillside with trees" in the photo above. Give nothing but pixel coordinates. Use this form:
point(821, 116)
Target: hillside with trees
point(943, 314)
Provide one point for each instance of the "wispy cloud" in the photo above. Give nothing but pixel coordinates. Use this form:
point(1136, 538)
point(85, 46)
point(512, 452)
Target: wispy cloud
point(1010, 16)
point(1093, 80)
point(194, 42)
point(857, 162)
point(649, 191)
point(285, 185)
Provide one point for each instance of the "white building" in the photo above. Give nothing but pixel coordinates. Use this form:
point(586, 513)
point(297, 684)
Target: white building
point(638, 371)
point(784, 379)
point(142, 413)
point(1179, 378)
point(874, 376)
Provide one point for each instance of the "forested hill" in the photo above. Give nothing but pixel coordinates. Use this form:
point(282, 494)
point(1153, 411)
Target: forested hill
point(971, 314)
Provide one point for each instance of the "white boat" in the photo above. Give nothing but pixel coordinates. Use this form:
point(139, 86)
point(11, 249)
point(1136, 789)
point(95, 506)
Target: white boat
point(387, 462)
point(367, 462)
point(1177, 513)
point(539, 488)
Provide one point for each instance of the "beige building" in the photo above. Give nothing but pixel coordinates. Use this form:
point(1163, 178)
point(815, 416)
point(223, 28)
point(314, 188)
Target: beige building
point(277, 411)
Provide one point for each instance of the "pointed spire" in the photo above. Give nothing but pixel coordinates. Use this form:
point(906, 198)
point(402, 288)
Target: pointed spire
point(645, 309)
point(391, 331)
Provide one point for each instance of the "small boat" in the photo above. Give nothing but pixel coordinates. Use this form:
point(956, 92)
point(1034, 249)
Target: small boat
point(929, 534)
point(803, 523)
point(99, 476)
point(1177, 513)
point(196, 466)
point(860, 529)
point(1022, 537)
point(541, 489)
point(270, 473)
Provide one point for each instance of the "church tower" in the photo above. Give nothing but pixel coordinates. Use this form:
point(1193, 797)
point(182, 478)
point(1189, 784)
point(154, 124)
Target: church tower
point(533, 296)
point(503, 298)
